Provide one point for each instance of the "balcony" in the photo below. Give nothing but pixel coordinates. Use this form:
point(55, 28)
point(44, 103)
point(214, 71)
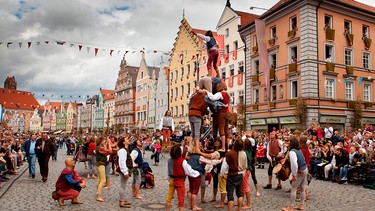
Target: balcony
point(271, 42)
point(292, 67)
point(255, 78)
point(367, 42)
point(255, 106)
point(292, 33)
point(330, 66)
point(255, 49)
point(272, 104)
point(349, 38)
point(293, 102)
point(330, 34)
point(349, 70)
point(368, 104)
point(351, 104)
point(272, 74)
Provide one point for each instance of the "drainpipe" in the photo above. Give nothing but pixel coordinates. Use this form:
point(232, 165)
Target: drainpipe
point(317, 63)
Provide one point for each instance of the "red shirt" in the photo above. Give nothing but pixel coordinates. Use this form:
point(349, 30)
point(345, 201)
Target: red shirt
point(91, 149)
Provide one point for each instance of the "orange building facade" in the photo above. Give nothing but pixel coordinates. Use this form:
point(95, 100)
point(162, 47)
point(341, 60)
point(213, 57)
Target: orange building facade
point(318, 51)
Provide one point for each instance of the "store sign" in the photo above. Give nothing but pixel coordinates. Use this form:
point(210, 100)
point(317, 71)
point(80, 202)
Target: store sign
point(370, 121)
point(257, 122)
point(272, 121)
point(333, 119)
point(287, 120)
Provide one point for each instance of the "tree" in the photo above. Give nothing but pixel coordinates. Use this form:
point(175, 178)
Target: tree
point(356, 119)
point(300, 114)
point(241, 120)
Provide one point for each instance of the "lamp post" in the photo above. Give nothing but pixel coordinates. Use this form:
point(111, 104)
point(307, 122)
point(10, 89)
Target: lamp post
point(260, 8)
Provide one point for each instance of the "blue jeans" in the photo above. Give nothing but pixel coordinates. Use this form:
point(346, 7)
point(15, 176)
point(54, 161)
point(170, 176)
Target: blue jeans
point(156, 155)
point(31, 160)
point(343, 172)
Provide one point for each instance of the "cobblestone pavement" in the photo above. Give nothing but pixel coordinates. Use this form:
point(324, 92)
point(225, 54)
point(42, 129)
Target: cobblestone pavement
point(32, 194)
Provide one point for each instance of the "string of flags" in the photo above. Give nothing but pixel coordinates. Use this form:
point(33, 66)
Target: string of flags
point(82, 46)
point(111, 51)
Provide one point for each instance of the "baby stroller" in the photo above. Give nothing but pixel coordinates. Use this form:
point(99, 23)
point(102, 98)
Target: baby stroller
point(148, 180)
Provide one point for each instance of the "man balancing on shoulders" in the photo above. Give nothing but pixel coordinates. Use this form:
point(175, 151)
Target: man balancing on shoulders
point(69, 184)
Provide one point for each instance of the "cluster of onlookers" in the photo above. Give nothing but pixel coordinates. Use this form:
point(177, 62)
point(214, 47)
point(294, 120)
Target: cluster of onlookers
point(11, 154)
point(342, 158)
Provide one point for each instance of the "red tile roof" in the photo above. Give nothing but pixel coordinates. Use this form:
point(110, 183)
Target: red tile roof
point(359, 5)
point(108, 94)
point(17, 99)
point(246, 17)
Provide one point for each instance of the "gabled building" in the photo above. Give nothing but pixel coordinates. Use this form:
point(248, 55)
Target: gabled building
point(232, 57)
point(71, 117)
point(49, 117)
point(36, 122)
point(17, 103)
point(125, 92)
point(144, 84)
point(162, 93)
point(187, 65)
point(319, 52)
point(109, 109)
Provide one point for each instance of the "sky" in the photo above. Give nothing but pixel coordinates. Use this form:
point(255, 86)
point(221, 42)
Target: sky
point(61, 71)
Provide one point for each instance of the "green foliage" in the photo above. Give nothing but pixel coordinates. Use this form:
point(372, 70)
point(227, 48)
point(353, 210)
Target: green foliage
point(300, 114)
point(356, 119)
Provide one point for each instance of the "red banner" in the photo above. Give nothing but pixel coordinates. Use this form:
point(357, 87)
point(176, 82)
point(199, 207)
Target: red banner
point(239, 79)
point(230, 81)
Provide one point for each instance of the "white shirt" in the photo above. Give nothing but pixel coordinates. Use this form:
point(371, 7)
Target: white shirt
point(122, 156)
point(187, 169)
point(328, 132)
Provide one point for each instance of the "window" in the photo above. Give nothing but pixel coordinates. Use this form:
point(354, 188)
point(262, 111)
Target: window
point(327, 22)
point(232, 96)
point(176, 109)
point(227, 49)
point(176, 74)
point(365, 32)
point(182, 90)
point(367, 92)
point(176, 92)
point(348, 57)
point(182, 72)
point(227, 32)
point(349, 90)
point(240, 67)
point(293, 23)
point(182, 110)
point(273, 59)
point(195, 66)
point(329, 53)
point(231, 69)
point(273, 92)
point(293, 53)
point(141, 74)
point(195, 83)
point(241, 97)
point(256, 66)
point(329, 88)
point(281, 91)
point(366, 60)
point(293, 89)
point(265, 97)
point(255, 41)
point(188, 88)
point(223, 72)
point(188, 69)
point(347, 27)
point(256, 96)
point(235, 45)
point(273, 32)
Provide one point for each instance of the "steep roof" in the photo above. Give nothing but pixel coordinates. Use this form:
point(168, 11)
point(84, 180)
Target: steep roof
point(17, 99)
point(108, 94)
point(246, 17)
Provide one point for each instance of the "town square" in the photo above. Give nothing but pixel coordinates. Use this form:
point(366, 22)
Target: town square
point(187, 105)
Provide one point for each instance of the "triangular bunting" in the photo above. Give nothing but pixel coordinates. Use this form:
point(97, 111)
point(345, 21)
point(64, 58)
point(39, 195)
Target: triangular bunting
point(96, 51)
point(28, 44)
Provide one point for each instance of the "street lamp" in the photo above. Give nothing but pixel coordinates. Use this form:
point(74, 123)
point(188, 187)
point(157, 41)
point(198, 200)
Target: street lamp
point(261, 8)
